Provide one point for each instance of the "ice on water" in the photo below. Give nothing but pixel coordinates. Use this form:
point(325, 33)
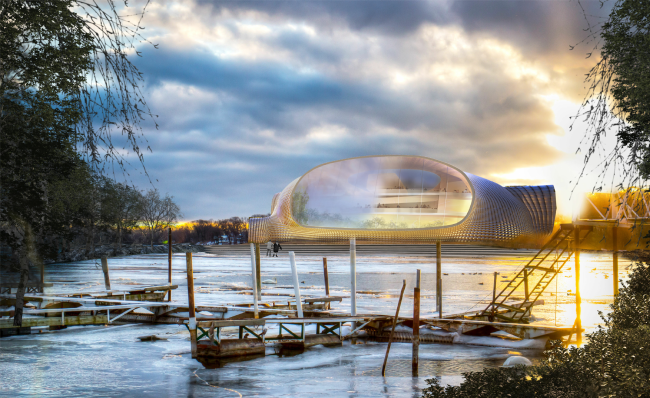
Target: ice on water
point(98, 360)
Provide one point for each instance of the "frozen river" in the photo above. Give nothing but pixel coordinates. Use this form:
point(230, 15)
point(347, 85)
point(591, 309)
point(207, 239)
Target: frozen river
point(110, 361)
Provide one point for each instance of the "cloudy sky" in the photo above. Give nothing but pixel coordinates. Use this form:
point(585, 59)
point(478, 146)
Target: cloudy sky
point(252, 94)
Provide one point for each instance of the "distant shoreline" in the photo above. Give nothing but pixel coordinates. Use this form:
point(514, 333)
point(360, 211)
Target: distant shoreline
point(126, 250)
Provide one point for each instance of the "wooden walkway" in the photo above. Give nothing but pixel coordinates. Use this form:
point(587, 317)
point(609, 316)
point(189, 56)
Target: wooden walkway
point(101, 310)
point(107, 307)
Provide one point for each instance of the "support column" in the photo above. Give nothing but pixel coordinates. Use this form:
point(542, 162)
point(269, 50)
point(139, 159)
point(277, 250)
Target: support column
point(107, 279)
point(169, 266)
point(526, 285)
point(439, 279)
point(494, 296)
point(254, 280)
point(416, 325)
point(353, 276)
point(327, 280)
point(258, 271)
point(576, 242)
point(296, 283)
point(615, 259)
point(190, 305)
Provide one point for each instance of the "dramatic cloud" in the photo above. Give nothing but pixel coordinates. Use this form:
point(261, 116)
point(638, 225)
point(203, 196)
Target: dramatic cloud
point(253, 94)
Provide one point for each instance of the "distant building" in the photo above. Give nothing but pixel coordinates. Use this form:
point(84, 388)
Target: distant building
point(402, 199)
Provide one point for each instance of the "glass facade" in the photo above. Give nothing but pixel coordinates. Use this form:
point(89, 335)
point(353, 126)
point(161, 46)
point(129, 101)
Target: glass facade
point(382, 192)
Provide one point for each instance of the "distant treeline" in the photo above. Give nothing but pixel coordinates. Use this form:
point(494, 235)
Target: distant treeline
point(231, 231)
point(88, 211)
point(79, 213)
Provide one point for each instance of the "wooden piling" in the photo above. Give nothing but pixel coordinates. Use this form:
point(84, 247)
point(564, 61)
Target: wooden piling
point(576, 239)
point(107, 279)
point(41, 266)
point(327, 281)
point(494, 295)
point(526, 285)
point(439, 278)
point(615, 259)
point(191, 305)
point(416, 325)
point(254, 281)
point(392, 332)
point(258, 271)
point(296, 283)
point(169, 264)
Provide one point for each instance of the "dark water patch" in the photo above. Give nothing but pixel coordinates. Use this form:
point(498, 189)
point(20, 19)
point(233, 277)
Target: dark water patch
point(213, 363)
point(428, 368)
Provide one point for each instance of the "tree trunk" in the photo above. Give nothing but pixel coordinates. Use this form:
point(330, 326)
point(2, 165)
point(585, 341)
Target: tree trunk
point(151, 239)
point(87, 238)
point(20, 293)
point(118, 241)
point(92, 238)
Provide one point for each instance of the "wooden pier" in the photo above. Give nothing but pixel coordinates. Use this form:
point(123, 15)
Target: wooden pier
point(104, 308)
point(295, 324)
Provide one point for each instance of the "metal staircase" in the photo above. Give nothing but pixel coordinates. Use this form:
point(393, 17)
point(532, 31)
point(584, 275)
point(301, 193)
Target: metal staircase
point(539, 272)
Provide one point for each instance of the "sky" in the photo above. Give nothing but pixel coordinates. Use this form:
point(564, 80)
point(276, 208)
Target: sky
point(252, 94)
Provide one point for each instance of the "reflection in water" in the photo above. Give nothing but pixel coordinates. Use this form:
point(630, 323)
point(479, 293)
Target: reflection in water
point(428, 369)
point(196, 391)
point(392, 192)
point(214, 363)
point(288, 352)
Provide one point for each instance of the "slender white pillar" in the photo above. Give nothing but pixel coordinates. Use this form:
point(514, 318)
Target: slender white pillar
point(296, 283)
point(254, 276)
point(353, 276)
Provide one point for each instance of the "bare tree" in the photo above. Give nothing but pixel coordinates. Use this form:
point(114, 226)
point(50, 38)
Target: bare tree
point(157, 212)
point(68, 83)
point(121, 208)
point(618, 96)
point(202, 228)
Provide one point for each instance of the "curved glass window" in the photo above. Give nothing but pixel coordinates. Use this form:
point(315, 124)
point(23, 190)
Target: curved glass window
point(382, 192)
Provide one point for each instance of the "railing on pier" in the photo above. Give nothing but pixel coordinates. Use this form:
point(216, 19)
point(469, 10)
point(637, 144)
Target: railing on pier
point(549, 261)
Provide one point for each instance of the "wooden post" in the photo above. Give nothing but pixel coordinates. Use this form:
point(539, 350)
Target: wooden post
point(107, 279)
point(439, 279)
point(41, 265)
point(494, 295)
point(190, 300)
point(416, 325)
point(296, 283)
point(526, 285)
point(353, 277)
point(390, 339)
point(615, 259)
point(254, 281)
point(576, 238)
point(258, 271)
point(169, 265)
point(327, 281)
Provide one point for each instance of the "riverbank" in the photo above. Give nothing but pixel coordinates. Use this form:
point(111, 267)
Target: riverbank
point(81, 254)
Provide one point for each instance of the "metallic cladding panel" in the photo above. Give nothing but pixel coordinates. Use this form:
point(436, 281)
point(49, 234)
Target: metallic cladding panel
point(496, 215)
point(540, 202)
point(274, 202)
